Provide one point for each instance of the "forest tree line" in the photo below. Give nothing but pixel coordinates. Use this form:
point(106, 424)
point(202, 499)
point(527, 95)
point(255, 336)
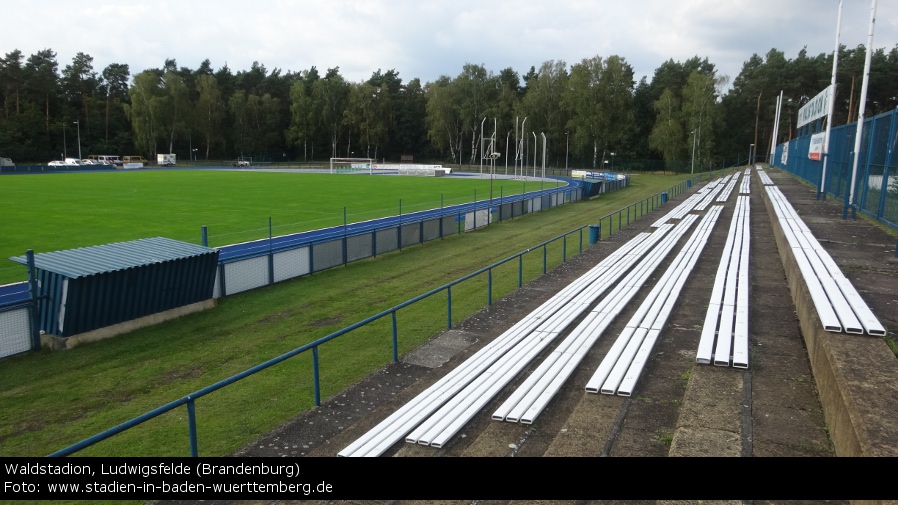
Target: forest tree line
point(587, 110)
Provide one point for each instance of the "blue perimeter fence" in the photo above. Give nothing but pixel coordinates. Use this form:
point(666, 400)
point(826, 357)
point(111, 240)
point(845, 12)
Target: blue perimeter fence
point(628, 214)
point(876, 184)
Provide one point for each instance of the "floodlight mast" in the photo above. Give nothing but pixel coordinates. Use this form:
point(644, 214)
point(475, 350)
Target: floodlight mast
point(850, 201)
point(522, 152)
point(507, 135)
point(78, 123)
point(493, 156)
point(821, 189)
point(534, 153)
point(542, 181)
point(481, 145)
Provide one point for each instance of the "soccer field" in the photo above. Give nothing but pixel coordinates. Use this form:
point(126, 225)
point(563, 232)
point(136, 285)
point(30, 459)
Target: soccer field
point(51, 212)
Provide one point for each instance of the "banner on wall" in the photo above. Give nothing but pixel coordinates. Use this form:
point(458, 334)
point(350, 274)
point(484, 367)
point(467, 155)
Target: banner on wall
point(816, 108)
point(815, 150)
point(784, 158)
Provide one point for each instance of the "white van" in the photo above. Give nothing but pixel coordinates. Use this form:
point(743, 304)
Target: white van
point(112, 159)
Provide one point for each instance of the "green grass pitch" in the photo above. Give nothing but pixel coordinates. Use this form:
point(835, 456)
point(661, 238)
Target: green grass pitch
point(52, 212)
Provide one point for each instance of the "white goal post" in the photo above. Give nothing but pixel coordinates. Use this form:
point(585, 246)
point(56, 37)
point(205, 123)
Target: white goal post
point(352, 165)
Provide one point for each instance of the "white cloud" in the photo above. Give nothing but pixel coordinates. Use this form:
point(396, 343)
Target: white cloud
point(428, 39)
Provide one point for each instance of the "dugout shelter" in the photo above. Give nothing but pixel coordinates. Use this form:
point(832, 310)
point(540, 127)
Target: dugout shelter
point(88, 288)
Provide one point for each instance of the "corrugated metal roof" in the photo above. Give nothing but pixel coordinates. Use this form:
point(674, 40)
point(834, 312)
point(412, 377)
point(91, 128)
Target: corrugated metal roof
point(85, 261)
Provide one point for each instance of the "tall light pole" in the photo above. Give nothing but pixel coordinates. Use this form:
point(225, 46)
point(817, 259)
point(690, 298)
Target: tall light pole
point(481, 146)
point(79, 139)
point(64, 152)
point(850, 201)
point(507, 135)
point(523, 148)
point(821, 188)
point(534, 153)
point(750, 147)
point(567, 145)
point(612, 162)
point(545, 149)
point(693, 153)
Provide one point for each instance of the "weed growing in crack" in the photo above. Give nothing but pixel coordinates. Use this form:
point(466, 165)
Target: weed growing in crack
point(664, 437)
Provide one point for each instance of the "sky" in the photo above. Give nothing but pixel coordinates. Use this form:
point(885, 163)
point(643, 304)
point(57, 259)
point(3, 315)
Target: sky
point(427, 39)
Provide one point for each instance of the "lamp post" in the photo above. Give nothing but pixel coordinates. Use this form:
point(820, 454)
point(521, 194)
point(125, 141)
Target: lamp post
point(612, 162)
point(64, 152)
point(79, 139)
point(750, 147)
point(194, 150)
point(567, 145)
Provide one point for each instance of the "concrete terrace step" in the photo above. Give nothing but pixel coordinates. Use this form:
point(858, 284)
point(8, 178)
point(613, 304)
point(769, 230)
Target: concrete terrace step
point(805, 393)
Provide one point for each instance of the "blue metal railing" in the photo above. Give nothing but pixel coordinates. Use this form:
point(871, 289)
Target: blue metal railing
point(189, 400)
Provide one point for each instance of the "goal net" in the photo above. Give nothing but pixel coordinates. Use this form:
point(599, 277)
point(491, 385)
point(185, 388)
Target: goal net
point(352, 165)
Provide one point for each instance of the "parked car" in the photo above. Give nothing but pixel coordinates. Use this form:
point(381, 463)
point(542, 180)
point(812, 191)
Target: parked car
point(57, 163)
point(240, 163)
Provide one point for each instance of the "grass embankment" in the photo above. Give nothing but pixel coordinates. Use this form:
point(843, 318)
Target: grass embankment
point(53, 399)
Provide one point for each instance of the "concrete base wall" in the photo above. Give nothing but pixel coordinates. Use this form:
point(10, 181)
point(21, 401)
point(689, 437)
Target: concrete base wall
point(856, 375)
point(60, 343)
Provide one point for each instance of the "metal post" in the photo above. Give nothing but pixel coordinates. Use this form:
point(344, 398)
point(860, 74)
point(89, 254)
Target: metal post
point(821, 189)
point(395, 338)
point(523, 148)
point(489, 286)
point(545, 146)
point(315, 376)
point(204, 236)
point(567, 145)
point(506, 151)
point(481, 146)
point(35, 306)
point(191, 426)
point(271, 256)
point(449, 307)
point(534, 153)
point(860, 116)
point(693, 152)
point(79, 139)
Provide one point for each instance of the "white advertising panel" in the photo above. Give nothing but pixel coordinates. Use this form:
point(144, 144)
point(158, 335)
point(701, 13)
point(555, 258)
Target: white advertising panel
point(815, 109)
point(815, 151)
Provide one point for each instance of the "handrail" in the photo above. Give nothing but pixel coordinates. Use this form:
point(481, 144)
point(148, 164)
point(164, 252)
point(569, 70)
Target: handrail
point(372, 225)
point(190, 399)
